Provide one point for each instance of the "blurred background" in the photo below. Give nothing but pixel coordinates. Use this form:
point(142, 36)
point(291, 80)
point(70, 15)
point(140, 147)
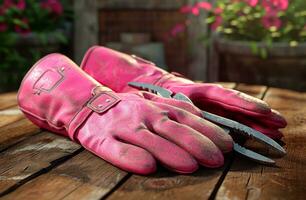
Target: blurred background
point(245, 41)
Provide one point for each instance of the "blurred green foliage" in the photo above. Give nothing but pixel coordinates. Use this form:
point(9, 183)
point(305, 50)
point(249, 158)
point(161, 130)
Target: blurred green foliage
point(284, 21)
point(27, 30)
point(254, 21)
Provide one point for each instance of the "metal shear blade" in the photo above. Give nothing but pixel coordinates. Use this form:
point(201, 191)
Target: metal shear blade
point(226, 124)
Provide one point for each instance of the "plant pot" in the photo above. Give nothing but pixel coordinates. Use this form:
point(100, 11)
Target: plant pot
point(283, 67)
point(30, 47)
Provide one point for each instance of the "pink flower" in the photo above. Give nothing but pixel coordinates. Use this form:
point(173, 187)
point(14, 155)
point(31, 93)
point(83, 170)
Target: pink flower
point(217, 23)
point(195, 11)
point(22, 30)
point(204, 5)
point(53, 6)
point(3, 26)
point(190, 9)
point(275, 4)
point(280, 4)
point(218, 11)
point(20, 4)
point(271, 20)
point(252, 3)
point(178, 28)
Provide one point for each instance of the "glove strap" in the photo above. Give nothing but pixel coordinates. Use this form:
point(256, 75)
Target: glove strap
point(100, 102)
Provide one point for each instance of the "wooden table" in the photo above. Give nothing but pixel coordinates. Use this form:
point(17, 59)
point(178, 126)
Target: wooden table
point(36, 164)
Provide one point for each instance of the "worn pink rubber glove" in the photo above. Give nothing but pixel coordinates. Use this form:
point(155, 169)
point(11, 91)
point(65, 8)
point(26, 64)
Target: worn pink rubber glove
point(129, 130)
point(115, 69)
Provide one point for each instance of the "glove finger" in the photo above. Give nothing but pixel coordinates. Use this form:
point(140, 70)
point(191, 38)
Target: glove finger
point(216, 134)
point(266, 130)
point(259, 123)
point(273, 119)
point(125, 156)
point(169, 154)
point(231, 100)
point(272, 133)
point(198, 145)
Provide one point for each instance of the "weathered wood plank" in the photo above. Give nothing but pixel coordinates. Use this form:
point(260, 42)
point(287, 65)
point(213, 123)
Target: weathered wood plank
point(15, 132)
point(227, 84)
point(10, 115)
point(254, 90)
point(93, 186)
point(30, 156)
point(102, 179)
point(85, 176)
point(247, 180)
point(13, 125)
point(165, 185)
point(8, 100)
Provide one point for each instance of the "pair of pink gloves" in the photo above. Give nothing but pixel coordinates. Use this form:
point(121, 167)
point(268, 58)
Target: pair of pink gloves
point(95, 107)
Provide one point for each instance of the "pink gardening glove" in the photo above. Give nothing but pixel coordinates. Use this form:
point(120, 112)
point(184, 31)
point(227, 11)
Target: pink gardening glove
point(115, 69)
point(129, 130)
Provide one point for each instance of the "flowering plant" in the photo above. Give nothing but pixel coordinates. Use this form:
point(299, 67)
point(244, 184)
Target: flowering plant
point(30, 20)
point(26, 16)
point(253, 20)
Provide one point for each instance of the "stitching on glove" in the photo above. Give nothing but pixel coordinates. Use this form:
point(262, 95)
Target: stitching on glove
point(45, 84)
point(102, 102)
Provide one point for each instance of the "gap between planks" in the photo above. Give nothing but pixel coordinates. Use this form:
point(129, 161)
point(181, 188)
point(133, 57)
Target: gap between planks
point(287, 179)
point(118, 185)
point(5, 146)
point(260, 95)
point(169, 185)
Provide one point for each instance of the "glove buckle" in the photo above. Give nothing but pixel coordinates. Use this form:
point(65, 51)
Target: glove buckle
point(102, 101)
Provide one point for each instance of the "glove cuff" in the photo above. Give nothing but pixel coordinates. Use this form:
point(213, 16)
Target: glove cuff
point(57, 95)
point(106, 65)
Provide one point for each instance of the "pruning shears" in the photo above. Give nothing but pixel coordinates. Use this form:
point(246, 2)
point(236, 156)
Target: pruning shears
point(228, 125)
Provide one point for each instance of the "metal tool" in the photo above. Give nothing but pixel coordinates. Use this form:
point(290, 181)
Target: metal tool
point(227, 124)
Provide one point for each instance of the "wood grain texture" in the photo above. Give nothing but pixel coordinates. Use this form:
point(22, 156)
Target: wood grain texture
point(85, 176)
point(50, 184)
point(32, 155)
point(166, 185)
point(13, 125)
point(227, 85)
point(10, 115)
point(8, 100)
point(47, 166)
point(15, 132)
point(257, 91)
point(247, 180)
